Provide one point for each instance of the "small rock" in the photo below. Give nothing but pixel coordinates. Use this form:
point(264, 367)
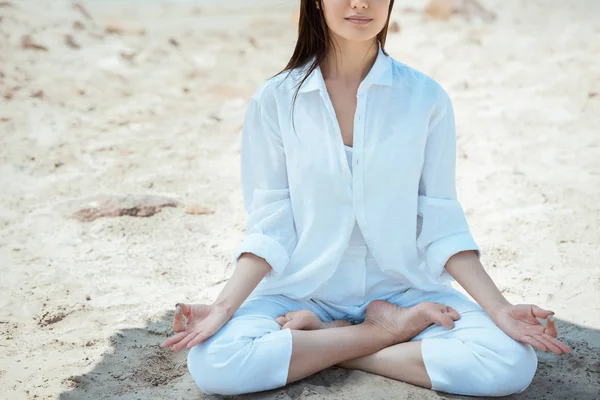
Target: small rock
point(112, 29)
point(78, 25)
point(28, 44)
point(69, 41)
point(186, 90)
point(394, 27)
point(38, 94)
point(102, 206)
point(253, 42)
point(129, 57)
point(5, 4)
point(439, 9)
point(87, 297)
point(592, 94)
point(173, 42)
point(79, 7)
point(195, 209)
point(443, 10)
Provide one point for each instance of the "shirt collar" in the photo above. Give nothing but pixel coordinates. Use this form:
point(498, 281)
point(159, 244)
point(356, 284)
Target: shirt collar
point(380, 74)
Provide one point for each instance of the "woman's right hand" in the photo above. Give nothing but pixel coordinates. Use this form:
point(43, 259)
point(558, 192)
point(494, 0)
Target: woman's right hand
point(201, 322)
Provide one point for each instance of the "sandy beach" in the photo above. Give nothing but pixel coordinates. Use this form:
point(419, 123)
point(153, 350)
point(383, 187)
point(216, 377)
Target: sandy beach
point(136, 107)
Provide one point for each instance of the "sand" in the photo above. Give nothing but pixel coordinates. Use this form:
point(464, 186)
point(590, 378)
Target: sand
point(133, 99)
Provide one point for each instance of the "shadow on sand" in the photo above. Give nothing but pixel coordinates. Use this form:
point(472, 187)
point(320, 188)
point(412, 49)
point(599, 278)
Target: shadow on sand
point(137, 368)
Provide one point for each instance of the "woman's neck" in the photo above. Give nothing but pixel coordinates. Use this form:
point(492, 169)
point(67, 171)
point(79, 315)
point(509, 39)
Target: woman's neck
point(351, 63)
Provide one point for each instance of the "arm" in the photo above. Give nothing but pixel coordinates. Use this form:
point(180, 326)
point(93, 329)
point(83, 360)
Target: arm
point(270, 230)
point(442, 227)
point(449, 248)
point(248, 273)
point(466, 268)
point(271, 234)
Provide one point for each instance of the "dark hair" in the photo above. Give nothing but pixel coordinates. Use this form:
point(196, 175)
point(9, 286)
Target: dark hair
point(314, 39)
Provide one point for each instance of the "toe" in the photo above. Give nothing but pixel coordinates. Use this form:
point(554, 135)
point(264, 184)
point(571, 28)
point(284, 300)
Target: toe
point(293, 324)
point(281, 320)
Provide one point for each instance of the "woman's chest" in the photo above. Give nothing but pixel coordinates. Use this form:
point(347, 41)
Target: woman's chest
point(388, 134)
point(343, 101)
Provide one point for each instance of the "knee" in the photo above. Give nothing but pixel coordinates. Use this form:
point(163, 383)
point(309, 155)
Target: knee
point(210, 369)
point(521, 365)
point(513, 369)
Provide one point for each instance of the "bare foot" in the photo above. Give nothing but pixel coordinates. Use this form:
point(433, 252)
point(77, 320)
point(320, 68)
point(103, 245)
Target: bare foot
point(305, 320)
point(403, 324)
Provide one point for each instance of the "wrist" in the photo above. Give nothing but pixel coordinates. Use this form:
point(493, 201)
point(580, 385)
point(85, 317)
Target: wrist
point(225, 307)
point(496, 307)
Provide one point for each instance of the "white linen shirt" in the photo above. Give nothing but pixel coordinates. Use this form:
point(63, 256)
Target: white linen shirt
point(303, 201)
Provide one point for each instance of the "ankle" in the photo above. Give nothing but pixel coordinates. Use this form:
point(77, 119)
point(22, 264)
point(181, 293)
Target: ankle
point(378, 333)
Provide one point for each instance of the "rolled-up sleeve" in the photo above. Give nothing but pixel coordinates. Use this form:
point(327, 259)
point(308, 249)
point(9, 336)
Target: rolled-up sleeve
point(270, 229)
point(443, 230)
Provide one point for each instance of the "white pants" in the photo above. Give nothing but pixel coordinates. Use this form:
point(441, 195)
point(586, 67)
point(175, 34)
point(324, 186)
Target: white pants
point(251, 353)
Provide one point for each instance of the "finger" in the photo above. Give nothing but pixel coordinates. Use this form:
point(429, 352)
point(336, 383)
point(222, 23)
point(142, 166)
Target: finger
point(534, 342)
point(558, 343)
point(549, 344)
point(540, 312)
point(551, 327)
point(199, 338)
point(453, 313)
point(178, 320)
point(183, 342)
point(173, 339)
point(281, 320)
point(186, 309)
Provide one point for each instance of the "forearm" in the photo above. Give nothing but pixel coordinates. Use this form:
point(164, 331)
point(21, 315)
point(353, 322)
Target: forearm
point(467, 270)
point(250, 270)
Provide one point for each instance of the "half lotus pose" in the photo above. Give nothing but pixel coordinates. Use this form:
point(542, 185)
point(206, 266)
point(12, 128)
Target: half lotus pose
point(354, 232)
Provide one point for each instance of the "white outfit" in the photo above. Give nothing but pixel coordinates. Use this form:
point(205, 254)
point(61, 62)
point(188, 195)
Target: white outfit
point(358, 278)
point(251, 353)
point(341, 228)
point(302, 200)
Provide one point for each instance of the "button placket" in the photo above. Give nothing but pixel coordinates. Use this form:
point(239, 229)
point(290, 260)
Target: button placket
point(359, 137)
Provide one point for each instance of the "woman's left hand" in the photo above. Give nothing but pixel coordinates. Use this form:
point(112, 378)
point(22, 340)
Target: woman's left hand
point(521, 323)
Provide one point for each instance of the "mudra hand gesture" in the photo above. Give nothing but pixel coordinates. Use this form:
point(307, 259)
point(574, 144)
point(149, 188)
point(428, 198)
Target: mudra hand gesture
point(521, 323)
point(201, 322)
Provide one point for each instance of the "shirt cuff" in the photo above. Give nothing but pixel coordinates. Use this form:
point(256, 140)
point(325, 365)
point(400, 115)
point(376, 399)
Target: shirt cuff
point(265, 247)
point(440, 251)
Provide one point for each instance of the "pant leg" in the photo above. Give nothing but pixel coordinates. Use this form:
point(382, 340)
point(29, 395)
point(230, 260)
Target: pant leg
point(250, 353)
point(474, 358)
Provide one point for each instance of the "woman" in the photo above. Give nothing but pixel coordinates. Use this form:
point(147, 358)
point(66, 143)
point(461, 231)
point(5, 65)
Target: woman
point(354, 232)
